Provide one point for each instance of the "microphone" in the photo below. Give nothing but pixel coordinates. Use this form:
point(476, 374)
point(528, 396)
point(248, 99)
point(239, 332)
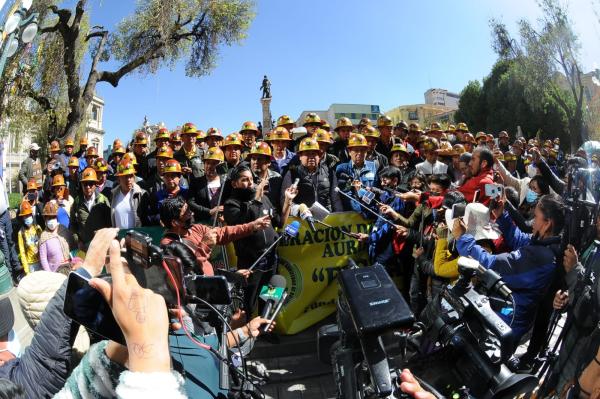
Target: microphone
point(306, 214)
point(291, 230)
point(366, 196)
point(272, 293)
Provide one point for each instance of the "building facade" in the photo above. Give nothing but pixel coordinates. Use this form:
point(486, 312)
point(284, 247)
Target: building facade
point(423, 114)
point(442, 97)
point(355, 112)
point(14, 148)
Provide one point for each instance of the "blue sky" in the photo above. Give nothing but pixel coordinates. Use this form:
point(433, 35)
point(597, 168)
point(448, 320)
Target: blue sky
point(385, 52)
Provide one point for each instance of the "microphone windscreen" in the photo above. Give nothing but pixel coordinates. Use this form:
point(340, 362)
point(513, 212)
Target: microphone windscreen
point(278, 280)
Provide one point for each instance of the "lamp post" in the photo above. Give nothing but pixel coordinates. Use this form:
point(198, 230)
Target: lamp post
point(20, 28)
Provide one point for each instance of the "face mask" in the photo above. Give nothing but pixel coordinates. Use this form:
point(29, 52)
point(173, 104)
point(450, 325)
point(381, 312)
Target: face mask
point(28, 221)
point(31, 196)
point(52, 224)
point(531, 197)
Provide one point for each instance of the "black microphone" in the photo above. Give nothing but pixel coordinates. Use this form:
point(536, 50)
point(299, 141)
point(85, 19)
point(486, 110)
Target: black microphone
point(272, 293)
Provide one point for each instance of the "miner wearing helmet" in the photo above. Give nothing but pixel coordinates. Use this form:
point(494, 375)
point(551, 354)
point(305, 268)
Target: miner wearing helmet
point(431, 165)
point(385, 140)
point(316, 183)
point(190, 156)
point(206, 198)
point(339, 148)
point(279, 139)
point(129, 202)
point(356, 173)
point(90, 211)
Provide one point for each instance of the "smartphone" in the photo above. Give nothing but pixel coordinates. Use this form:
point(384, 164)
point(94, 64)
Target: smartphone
point(458, 210)
point(212, 289)
point(85, 305)
point(295, 184)
point(493, 190)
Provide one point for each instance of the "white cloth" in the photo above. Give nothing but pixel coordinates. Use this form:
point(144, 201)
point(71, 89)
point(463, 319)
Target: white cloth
point(89, 204)
point(3, 197)
point(213, 188)
point(124, 213)
point(427, 168)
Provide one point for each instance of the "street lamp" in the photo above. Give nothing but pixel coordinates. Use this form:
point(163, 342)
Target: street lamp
point(18, 26)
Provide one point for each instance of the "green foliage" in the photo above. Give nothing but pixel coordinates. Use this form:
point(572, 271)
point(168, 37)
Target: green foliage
point(501, 103)
point(14, 200)
point(181, 28)
point(546, 64)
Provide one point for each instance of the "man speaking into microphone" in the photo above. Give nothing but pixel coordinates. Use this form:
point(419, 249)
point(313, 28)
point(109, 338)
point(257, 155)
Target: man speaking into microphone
point(246, 204)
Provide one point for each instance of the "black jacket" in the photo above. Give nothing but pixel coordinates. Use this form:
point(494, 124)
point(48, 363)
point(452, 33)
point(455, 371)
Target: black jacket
point(242, 208)
point(339, 148)
point(199, 198)
point(45, 365)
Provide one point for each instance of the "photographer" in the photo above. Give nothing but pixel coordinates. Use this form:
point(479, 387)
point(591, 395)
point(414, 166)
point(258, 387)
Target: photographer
point(530, 267)
point(176, 216)
point(45, 364)
point(582, 337)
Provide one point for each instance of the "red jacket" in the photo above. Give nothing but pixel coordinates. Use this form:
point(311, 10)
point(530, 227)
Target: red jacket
point(478, 183)
point(202, 251)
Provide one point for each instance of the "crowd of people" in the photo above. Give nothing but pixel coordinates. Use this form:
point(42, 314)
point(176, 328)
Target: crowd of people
point(207, 190)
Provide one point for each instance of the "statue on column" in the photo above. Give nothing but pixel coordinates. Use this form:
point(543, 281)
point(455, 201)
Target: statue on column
point(266, 88)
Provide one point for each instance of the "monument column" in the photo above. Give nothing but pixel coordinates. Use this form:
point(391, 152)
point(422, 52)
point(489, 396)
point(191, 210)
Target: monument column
point(266, 115)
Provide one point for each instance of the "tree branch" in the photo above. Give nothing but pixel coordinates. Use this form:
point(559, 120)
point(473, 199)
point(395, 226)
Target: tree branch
point(114, 77)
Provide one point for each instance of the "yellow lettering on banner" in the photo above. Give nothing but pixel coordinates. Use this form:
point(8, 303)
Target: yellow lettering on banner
point(311, 262)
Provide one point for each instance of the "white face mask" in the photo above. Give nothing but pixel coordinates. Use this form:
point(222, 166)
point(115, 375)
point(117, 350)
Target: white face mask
point(52, 224)
point(28, 221)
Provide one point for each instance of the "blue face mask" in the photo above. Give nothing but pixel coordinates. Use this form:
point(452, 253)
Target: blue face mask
point(531, 197)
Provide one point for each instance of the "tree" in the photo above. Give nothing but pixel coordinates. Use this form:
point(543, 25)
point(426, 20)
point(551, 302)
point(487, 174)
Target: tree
point(159, 33)
point(547, 64)
point(470, 109)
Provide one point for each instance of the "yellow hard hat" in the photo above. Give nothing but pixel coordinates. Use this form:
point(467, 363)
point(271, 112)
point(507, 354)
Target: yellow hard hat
point(233, 139)
point(214, 132)
point(459, 149)
point(370, 131)
point(164, 152)
point(73, 161)
point(480, 135)
point(25, 208)
point(451, 129)
point(462, 127)
point(323, 136)
point(312, 118)
point(140, 138)
point(54, 146)
point(58, 181)
point(175, 137)
point(91, 152)
point(343, 122)
point(445, 149)
point(398, 148)
point(125, 168)
point(357, 140)
point(214, 153)
point(131, 157)
point(83, 141)
point(163, 133)
point(50, 209)
point(280, 134)
point(308, 144)
point(435, 127)
point(414, 127)
point(261, 148)
point(172, 166)
point(431, 144)
point(189, 128)
point(100, 165)
point(384, 121)
point(250, 126)
point(89, 174)
point(510, 156)
point(325, 125)
point(285, 120)
point(118, 150)
point(365, 122)
point(69, 143)
point(32, 184)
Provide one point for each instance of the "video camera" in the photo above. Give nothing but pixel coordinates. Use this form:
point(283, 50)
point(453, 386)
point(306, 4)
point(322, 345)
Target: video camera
point(166, 276)
point(458, 347)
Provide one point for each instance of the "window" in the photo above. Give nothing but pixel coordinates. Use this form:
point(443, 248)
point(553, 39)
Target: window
point(374, 116)
point(353, 116)
point(363, 115)
point(413, 116)
point(95, 113)
point(96, 143)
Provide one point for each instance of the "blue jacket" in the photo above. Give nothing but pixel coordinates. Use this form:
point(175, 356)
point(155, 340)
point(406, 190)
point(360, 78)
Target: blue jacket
point(527, 270)
point(281, 166)
point(346, 173)
point(381, 235)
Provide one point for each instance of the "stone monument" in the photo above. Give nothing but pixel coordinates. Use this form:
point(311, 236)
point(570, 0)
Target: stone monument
point(266, 106)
